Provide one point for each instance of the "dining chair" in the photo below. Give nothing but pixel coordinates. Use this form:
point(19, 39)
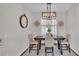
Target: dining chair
point(32, 43)
point(49, 44)
point(66, 43)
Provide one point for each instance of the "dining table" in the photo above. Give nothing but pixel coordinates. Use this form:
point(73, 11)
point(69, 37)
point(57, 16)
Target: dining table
point(58, 38)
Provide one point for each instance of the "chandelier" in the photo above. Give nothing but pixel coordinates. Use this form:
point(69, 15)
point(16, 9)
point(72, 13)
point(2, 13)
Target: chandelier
point(48, 15)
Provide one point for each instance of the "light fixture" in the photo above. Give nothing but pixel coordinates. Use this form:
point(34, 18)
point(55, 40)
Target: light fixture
point(48, 15)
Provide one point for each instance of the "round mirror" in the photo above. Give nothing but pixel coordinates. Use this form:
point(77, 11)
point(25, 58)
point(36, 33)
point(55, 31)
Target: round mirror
point(23, 21)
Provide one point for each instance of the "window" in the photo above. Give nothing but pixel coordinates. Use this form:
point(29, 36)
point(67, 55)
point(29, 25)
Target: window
point(46, 24)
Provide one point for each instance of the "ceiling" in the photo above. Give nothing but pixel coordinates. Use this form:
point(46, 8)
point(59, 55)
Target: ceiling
point(40, 7)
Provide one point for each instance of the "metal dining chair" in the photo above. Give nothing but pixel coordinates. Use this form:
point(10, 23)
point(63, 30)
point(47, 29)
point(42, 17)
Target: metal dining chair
point(49, 44)
point(32, 43)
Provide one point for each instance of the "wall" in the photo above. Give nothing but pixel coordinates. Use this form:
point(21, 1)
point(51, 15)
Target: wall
point(36, 16)
point(72, 23)
point(15, 39)
point(61, 17)
point(1, 27)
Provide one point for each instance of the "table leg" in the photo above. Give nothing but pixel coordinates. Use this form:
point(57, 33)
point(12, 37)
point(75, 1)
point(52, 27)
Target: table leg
point(39, 44)
point(61, 49)
point(58, 44)
point(38, 49)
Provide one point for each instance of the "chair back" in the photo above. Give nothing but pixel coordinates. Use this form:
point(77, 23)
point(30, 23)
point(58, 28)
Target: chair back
point(49, 34)
point(31, 37)
point(49, 41)
point(68, 37)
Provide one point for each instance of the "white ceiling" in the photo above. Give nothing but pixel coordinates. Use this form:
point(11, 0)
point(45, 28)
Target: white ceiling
point(40, 7)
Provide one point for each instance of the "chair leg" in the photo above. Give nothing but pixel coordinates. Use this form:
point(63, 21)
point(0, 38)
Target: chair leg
point(45, 51)
point(52, 51)
point(30, 47)
point(48, 52)
point(69, 48)
point(66, 46)
point(61, 49)
point(37, 49)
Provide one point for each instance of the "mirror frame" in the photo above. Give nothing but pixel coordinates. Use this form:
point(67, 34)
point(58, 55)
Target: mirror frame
point(22, 19)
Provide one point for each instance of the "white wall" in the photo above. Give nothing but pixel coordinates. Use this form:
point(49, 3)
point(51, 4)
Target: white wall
point(61, 17)
point(36, 16)
point(72, 26)
point(15, 39)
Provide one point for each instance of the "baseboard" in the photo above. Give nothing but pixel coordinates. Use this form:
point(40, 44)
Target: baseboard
point(24, 52)
point(74, 52)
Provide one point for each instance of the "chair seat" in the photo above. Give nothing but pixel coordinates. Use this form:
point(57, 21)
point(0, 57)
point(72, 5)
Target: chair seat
point(35, 42)
point(43, 42)
point(49, 44)
point(64, 42)
point(55, 42)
